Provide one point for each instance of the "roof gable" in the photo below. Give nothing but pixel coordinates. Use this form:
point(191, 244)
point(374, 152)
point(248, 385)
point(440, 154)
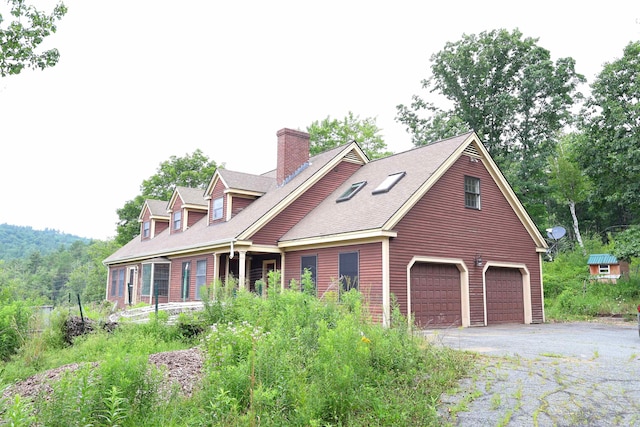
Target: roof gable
point(422, 167)
point(156, 208)
point(191, 198)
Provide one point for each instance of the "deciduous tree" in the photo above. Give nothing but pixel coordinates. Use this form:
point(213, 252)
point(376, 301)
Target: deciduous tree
point(330, 133)
point(568, 183)
point(193, 171)
point(507, 89)
point(610, 152)
point(21, 37)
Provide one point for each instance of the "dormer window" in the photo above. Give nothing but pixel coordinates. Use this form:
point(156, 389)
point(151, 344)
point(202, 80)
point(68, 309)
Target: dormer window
point(218, 208)
point(177, 220)
point(146, 229)
point(351, 191)
point(388, 183)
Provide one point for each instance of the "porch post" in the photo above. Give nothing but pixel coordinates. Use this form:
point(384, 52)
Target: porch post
point(216, 266)
point(242, 265)
point(386, 285)
point(282, 279)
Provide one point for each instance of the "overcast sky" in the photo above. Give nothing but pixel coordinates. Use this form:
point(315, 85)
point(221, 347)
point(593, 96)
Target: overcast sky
point(139, 81)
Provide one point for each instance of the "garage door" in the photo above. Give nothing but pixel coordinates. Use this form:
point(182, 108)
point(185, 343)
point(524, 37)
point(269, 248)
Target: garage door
point(505, 303)
point(435, 295)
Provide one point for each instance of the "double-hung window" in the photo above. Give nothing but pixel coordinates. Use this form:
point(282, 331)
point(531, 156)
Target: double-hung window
point(177, 220)
point(472, 192)
point(146, 229)
point(218, 208)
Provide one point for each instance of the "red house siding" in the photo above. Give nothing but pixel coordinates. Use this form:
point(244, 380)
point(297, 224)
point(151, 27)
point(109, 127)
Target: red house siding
point(370, 271)
point(175, 276)
point(195, 216)
point(439, 225)
point(239, 203)
point(160, 226)
point(278, 226)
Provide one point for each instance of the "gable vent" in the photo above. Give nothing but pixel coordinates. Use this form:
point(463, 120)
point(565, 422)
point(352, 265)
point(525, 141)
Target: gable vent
point(471, 151)
point(352, 157)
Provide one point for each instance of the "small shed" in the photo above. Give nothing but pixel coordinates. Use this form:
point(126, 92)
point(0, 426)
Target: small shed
point(606, 268)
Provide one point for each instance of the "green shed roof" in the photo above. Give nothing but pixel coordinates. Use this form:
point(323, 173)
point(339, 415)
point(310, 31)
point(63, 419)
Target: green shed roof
point(602, 259)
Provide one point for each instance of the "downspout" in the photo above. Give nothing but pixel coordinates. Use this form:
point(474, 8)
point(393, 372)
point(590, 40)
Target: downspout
point(231, 251)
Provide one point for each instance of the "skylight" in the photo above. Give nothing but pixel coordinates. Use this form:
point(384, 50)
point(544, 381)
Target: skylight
point(388, 183)
point(351, 191)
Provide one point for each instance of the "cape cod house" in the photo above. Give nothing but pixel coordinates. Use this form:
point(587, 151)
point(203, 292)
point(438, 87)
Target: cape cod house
point(438, 227)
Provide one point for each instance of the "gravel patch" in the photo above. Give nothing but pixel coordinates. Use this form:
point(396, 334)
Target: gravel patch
point(575, 374)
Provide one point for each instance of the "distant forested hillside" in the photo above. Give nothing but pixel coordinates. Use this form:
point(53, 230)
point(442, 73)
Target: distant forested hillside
point(19, 242)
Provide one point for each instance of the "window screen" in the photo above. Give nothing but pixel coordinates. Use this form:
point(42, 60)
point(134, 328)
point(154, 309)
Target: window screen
point(146, 279)
point(161, 279)
point(201, 276)
point(121, 282)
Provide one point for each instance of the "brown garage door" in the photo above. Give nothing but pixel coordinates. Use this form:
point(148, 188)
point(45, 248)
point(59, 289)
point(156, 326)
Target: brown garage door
point(505, 302)
point(435, 295)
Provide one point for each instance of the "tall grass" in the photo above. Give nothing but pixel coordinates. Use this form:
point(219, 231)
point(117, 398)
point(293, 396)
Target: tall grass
point(570, 293)
point(284, 359)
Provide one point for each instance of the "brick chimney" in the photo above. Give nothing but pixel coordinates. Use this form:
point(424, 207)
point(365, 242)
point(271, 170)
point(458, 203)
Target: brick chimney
point(293, 152)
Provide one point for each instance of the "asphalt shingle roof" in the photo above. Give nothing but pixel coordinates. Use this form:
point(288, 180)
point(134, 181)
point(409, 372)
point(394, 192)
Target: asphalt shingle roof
point(366, 211)
point(157, 207)
point(202, 235)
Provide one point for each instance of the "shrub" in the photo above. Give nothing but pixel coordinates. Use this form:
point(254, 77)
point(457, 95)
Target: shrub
point(14, 327)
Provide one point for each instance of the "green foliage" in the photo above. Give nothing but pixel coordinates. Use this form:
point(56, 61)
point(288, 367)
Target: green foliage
point(570, 294)
point(288, 359)
point(609, 151)
point(330, 133)
point(507, 89)
point(297, 360)
point(18, 413)
point(59, 276)
point(19, 40)
point(117, 391)
point(14, 326)
point(627, 244)
point(25, 242)
point(193, 171)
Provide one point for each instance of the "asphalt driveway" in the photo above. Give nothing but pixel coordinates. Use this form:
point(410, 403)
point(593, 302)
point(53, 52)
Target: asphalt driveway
point(554, 374)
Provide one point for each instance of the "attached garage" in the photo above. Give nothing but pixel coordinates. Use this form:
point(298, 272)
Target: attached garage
point(504, 295)
point(436, 298)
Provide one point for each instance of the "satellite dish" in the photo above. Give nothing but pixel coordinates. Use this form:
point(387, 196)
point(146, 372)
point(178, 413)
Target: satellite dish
point(556, 232)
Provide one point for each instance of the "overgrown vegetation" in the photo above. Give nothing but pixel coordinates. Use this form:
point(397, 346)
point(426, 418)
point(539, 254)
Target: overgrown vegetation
point(570, 293)
point(282, 358)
